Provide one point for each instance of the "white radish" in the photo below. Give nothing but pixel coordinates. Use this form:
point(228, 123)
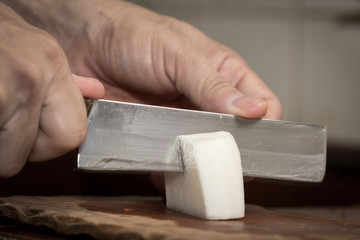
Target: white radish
point(211, 186)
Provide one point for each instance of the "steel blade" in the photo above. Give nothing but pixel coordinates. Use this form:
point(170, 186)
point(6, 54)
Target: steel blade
point(134, 137)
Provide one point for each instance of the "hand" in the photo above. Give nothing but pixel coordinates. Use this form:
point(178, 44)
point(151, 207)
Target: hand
point(42, 112)
point(141, 56)
point(144, 57)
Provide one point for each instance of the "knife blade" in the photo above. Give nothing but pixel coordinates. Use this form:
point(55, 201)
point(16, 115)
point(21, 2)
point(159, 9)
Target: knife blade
point(136, 137)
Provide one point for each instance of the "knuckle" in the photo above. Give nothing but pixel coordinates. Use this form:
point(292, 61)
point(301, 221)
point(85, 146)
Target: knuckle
point(29, 75)
point(213, 84)
point(210, 90)
point(51, 48)
point(35, 72)
point(31, 81)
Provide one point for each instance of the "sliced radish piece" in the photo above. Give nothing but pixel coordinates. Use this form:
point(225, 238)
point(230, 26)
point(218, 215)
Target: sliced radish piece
point(211, 185)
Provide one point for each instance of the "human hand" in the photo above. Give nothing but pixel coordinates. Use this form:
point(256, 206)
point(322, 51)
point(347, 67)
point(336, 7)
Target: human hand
point(145, 57)
point(141, 56)
point(42, 112)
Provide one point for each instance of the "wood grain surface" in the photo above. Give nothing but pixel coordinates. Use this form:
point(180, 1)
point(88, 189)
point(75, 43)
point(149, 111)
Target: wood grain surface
point(148, 218)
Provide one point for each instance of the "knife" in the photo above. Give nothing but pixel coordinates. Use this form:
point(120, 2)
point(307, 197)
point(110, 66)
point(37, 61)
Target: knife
point(136, 137)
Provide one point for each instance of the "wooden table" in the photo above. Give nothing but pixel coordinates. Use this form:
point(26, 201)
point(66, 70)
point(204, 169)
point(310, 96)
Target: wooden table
point(148, 218)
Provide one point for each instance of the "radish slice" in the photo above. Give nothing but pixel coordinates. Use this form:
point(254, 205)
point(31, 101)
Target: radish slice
point(211, 186)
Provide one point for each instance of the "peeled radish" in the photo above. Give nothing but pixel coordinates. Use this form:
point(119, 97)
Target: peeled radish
point(211, 186)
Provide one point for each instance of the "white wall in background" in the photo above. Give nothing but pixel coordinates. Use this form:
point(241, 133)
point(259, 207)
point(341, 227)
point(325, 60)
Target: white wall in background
point(307, 51)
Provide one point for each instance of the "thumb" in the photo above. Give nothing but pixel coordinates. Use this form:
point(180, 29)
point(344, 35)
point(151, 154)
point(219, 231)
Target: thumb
point(227, 99)
point(210, 91)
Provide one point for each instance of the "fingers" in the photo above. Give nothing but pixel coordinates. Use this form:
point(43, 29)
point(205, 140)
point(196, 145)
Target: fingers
point(63, 117)
point(20, 91)
point(90, 87)
point(16, 140)
point(42, 111)
point(211, 91)
point(251, 97)
point(63, 120)
point(217, 79)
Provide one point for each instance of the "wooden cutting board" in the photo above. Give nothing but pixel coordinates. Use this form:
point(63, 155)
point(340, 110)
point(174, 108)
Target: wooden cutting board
point(148, 218)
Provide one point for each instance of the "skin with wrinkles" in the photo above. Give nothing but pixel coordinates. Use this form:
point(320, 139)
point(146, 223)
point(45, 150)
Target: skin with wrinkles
point(144, 57)
point(42, 109)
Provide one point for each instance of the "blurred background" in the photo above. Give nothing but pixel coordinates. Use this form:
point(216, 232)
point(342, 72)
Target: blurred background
point(307, 51)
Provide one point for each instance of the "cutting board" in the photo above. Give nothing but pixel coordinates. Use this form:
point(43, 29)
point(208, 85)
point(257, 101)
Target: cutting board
point(148, 218)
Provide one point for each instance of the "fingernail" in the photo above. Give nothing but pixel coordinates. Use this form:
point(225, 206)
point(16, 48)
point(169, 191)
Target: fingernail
point(249, 107)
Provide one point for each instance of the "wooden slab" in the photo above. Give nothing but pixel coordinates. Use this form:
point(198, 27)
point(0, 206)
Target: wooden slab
point(148, 218)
